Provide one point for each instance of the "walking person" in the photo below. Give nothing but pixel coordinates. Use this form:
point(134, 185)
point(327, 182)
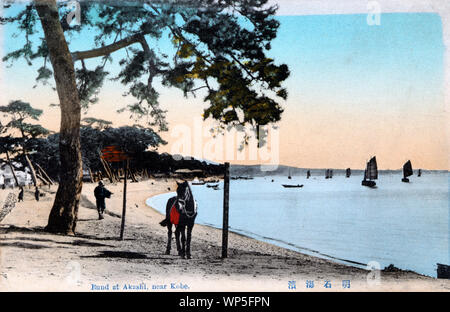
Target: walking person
point(20, 198)
point(100, 193)
point(36, 194)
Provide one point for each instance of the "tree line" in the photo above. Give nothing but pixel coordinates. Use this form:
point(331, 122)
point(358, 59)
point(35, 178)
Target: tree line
point(38, 148)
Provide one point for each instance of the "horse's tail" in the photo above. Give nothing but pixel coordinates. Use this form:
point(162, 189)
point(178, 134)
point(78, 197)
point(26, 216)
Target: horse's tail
point(169, 204)
point(164, 222)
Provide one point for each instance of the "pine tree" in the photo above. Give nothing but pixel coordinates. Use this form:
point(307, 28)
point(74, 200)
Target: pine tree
point(219, 48)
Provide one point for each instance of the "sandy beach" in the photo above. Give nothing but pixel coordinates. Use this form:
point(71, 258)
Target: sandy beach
point(96, 260)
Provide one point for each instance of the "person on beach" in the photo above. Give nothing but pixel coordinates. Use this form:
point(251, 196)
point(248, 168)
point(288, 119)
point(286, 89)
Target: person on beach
point(100, 193)
point(36, 194)
point(20, 198)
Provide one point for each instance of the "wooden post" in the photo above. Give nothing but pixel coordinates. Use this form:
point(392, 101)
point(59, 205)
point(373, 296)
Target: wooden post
point(124, 209)
point(226, 200)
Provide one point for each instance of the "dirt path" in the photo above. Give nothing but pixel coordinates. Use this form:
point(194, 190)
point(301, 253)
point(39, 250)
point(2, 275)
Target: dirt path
point(33, 260)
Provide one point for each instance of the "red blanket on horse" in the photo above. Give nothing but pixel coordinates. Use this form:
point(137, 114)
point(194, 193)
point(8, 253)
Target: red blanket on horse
point(174, 215)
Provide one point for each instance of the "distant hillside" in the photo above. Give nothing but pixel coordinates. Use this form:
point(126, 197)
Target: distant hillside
point(255, 171)
point(281, 170)
point(165, 163)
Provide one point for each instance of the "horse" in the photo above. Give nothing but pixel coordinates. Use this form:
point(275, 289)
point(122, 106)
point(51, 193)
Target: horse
point(181, 211)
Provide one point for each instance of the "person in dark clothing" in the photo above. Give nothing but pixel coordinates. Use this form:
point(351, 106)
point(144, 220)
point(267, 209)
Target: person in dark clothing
point(20, 195)
point(100, 193)
point(36, 194)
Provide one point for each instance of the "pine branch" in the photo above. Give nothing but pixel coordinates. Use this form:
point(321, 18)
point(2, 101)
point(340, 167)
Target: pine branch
point(108, 49)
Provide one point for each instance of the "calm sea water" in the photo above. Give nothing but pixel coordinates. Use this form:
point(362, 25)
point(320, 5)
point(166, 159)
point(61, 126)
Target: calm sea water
point(405, 224)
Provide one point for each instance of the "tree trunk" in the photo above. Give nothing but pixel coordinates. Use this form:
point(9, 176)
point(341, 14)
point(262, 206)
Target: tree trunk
point(91, 175)
point(44, 180)
point(30, 165)
point(108, 173)
point(12, 168)
point(63, 216)
point(44, 174)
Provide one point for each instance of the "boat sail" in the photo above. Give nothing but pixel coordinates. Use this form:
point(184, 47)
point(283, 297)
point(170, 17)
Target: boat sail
point(407, 171)
point(308, 174)
point(371, 173)
point(419, 173)
point(331, 173)
point(289, 176)
point(348, 173)
point(327, 174)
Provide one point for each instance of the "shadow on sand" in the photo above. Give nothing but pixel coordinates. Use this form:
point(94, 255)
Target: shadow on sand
point(23, 230)
point(129, 255)
point(118, 254)
point(23, 245)
point(77, 242)
point(39, 230)
point(86, 203)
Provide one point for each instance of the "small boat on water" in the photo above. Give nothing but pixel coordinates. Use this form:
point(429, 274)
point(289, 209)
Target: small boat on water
point(407, 171)
point(348, 173)
point(331, 173)
point(292, 186)
point(419, 173)
point(327, 174)
point(242, 178)
point(197, 182)
point(371, 173)
point(308, 174)
point(289, 176)
point(212, 185)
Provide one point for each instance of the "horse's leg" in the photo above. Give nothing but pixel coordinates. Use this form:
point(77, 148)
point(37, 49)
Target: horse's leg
point(177, 238)
point(169, 224)
point(183, 241)
point(169, 238)
point(188, 240)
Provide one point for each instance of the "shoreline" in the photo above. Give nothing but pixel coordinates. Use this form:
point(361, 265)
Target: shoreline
point(295, 248)
point(33, 260)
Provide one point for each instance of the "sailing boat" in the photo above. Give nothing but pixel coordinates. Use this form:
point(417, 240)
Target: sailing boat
point(327, 174)
point(371, 173)
point(289, 176)
point(419, 173)
point(308, 174)
point(331, 174)
point(348, 172)
point(407, 171)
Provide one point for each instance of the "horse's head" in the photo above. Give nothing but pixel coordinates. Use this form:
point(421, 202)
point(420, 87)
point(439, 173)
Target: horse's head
point(185, 199)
